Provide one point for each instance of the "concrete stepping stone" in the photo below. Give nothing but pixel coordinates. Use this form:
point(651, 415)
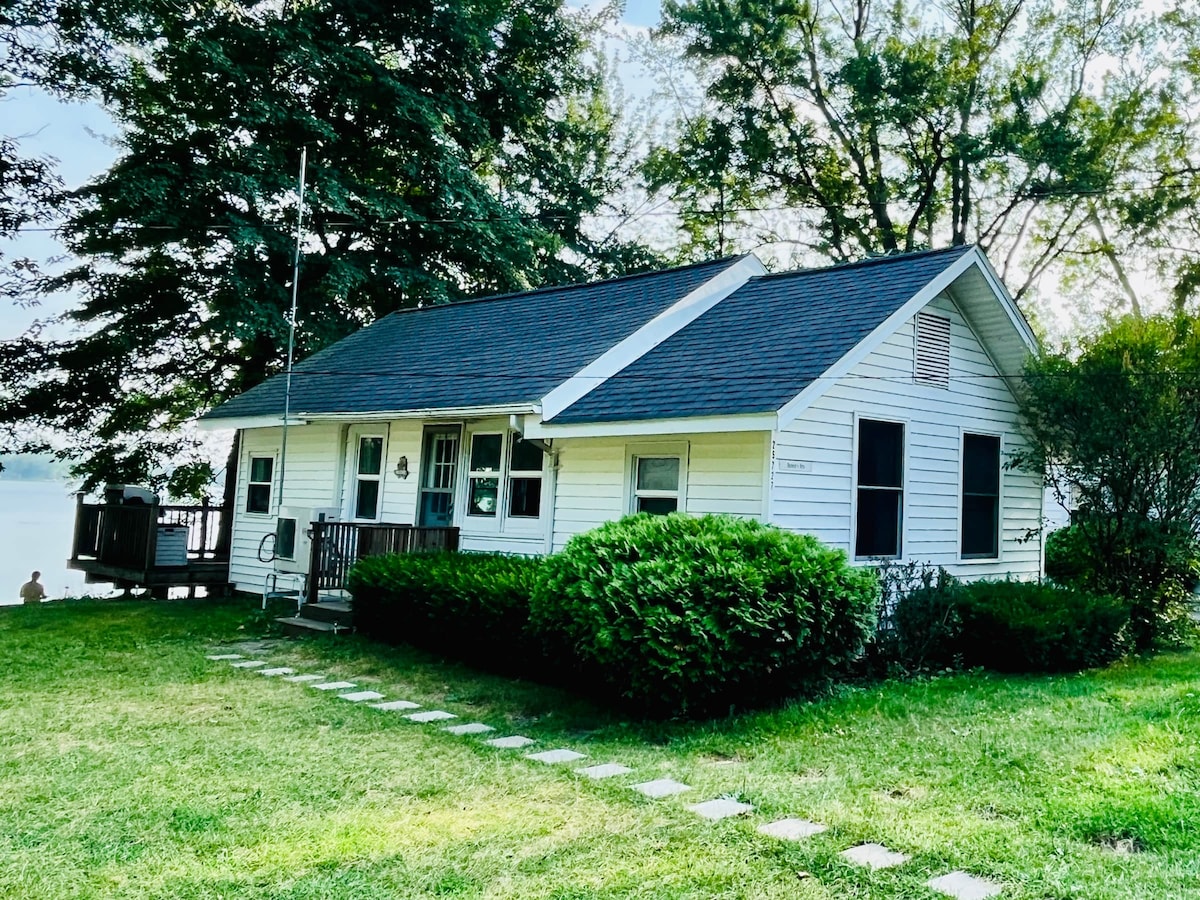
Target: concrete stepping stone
point(360, 696)
point(661, 787)
point(721, 808)
point(876, 856)
point(249, 664)
point(301, 679)
point(469, 728)
point(962, 886)
point(432, 715)
point(222, 657)
point(279, 670)
point(608, 770)
point(561, 755)
point(334, 686)
point(396, 704)
point(791, 829)
point(512, 742)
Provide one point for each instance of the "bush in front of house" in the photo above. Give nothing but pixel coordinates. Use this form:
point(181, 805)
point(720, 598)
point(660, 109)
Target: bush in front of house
point(680, 615)
point(918, 625)
point(472, 606)
point(1014, 626)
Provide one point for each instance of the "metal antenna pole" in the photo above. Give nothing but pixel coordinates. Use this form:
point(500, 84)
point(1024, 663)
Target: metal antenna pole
point(287, 391)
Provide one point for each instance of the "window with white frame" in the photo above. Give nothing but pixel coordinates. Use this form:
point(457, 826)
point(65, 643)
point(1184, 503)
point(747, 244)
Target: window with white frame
point(880, 493)
point(656, 483)
point(368, 476)
point(980, 496)
point(483, 477)
point(525, 464)
point(258, 484)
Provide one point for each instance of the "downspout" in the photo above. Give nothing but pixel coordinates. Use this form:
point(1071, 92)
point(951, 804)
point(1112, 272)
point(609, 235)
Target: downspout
point(549, 545)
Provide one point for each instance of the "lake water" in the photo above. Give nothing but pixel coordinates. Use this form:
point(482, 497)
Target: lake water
point(37, 521)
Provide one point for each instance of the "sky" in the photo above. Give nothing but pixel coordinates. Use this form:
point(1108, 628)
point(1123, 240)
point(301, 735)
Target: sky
point(80, 137)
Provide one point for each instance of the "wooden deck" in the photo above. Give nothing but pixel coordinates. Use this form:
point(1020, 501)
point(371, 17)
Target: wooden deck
point(119, 544)
point(336, 546)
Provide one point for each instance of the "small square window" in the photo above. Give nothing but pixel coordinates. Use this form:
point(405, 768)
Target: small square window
point(656, 484)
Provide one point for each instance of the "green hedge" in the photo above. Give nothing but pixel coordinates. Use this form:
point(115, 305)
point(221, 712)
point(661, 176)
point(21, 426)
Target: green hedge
point(473, 606)
point(682, 615)
point(1014, 626)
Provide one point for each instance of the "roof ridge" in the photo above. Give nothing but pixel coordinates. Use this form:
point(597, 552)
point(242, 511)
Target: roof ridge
point(869, 261)
point(568, 287)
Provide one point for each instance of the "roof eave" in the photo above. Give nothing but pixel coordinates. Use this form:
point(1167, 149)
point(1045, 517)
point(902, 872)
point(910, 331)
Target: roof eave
point(230, 423)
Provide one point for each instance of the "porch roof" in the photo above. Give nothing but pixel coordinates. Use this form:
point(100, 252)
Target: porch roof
point(500, 350)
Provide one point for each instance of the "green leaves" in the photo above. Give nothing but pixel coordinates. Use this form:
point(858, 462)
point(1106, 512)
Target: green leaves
point(454, 150)
point(681, 616)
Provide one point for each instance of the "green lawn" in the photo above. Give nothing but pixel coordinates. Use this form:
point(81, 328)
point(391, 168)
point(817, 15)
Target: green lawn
point(130, 766)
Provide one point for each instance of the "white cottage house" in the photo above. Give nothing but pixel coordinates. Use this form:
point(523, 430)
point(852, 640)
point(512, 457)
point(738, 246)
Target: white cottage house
point(869, 404)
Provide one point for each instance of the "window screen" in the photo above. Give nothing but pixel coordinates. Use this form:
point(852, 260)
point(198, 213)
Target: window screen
point(981, 496)
point(880, 469)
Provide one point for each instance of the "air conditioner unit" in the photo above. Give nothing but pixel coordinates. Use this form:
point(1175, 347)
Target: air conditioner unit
point(293, 535)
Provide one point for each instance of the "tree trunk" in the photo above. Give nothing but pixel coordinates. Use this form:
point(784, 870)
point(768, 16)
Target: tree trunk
point(229, 497)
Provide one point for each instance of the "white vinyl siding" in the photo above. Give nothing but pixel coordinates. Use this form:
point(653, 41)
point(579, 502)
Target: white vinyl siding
point(724, 473)
point(815, 493)
point(311, 478)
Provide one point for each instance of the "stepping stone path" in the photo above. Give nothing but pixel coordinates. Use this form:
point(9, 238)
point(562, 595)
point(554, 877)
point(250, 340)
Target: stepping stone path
point(791, 829)
point(556, 756)
point(957, 885)
point(513, 742)
point(396, 704)
point(662, 787)
point(721, 808)
point(876, 856)
point(433, 715)
point(608, 770)
point(962, 886)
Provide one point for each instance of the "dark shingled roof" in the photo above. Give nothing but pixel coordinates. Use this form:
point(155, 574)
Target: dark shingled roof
point(499, 350)
point(763, 344)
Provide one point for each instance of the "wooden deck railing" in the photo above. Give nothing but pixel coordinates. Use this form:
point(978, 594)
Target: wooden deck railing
point(336, 546)
point(125, 536)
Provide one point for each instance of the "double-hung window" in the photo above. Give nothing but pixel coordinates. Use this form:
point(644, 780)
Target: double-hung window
point(656, 482)
point(980, 496)
point(483, 477)
point(368, 476)
point(258, 484)
point(880, 497)
point(525, 463)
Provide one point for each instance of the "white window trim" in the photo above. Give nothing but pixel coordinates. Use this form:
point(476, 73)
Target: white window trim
point(353, 444)
point(904, 468)
point(252, 455)
point(634, 452)
point(958, 554)
point(517, 524)
point(478, 523)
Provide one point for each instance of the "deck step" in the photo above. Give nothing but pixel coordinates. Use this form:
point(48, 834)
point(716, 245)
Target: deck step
point(299, 626)
point(335, 612)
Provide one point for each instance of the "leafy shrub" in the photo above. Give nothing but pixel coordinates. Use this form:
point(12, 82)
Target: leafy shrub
point(1015, 626)
point(471, 605)
point(686, 615)
point(918, 623)
point(1150, 563)
point(1069, 557)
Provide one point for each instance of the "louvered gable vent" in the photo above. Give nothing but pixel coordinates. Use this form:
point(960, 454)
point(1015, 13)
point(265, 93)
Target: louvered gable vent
point(933, 350)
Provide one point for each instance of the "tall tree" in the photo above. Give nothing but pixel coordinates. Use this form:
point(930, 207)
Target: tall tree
point(1046, 132)
point(455, 149)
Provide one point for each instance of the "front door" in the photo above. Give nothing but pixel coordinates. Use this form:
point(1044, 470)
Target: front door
point(439, 462)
